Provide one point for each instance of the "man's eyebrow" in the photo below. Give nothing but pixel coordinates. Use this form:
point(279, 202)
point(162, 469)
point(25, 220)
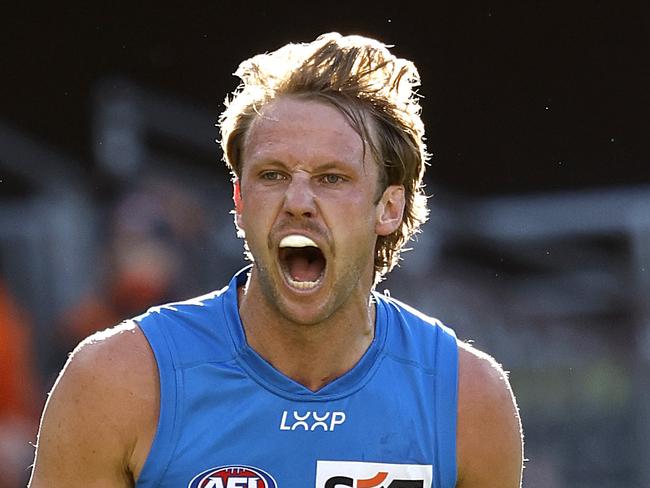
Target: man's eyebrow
point(269, 162)
point(319, 168)
point(331, 165)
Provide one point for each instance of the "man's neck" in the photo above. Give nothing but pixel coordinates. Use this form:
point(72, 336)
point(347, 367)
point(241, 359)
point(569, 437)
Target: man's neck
point(311, 354)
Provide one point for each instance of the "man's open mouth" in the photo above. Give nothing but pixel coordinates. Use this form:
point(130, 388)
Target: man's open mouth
point(302, 262)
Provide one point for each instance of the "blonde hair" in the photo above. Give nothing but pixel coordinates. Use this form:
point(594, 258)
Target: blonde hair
point(374, 89)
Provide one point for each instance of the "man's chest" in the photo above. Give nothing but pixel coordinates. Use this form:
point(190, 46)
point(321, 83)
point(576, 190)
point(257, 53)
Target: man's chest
point(244, 436)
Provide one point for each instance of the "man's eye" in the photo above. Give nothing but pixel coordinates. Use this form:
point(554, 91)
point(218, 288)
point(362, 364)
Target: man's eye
point(271, 176)
point(332, 179)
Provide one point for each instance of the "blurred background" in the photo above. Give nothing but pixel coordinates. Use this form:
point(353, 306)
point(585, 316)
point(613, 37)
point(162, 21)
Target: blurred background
point(113, 196)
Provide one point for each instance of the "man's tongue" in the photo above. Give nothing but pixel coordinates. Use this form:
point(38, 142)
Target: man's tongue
point(301, 268)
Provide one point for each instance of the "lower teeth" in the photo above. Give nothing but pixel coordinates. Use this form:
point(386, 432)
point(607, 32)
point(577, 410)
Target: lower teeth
point(303, 285)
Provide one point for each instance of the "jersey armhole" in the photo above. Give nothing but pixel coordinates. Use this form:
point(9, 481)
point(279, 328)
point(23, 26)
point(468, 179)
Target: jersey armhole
point(446, 404)
point(170, 408)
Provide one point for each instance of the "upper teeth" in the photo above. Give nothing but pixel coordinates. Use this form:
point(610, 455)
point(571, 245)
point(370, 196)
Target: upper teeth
point(297, 240)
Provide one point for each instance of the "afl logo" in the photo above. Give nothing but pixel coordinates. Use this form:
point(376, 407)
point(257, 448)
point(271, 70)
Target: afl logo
point(233, 477)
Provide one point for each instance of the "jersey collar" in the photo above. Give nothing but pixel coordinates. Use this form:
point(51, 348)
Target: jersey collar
point(272, 379)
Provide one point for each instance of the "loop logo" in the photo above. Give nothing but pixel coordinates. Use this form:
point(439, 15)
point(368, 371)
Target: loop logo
point(353, 474)
point(326, 421)
point(233, 477)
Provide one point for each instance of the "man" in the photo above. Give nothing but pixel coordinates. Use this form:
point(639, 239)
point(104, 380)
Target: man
point(297, 374)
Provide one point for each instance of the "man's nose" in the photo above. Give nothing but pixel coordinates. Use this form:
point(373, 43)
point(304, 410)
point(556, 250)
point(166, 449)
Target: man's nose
point(299, 200)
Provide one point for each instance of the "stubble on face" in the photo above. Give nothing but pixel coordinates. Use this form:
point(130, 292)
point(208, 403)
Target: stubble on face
point(350, 269)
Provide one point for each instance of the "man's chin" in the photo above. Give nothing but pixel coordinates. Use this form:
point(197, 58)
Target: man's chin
point(304, 309)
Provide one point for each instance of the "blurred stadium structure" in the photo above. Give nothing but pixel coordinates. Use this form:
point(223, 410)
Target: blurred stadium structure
point(557, 286)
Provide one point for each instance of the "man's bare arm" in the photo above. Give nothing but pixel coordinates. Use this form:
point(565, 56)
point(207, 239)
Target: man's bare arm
point(490, 439)
point(101, 415)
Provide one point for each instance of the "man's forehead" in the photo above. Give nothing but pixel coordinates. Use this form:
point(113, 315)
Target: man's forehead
point(306, 127)
point(300, 113)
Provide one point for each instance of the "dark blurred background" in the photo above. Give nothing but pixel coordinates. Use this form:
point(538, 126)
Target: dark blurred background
point(113, 196)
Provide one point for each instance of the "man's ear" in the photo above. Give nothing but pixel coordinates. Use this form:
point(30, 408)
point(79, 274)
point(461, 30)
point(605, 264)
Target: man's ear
point(236, 198)
point(390, 210)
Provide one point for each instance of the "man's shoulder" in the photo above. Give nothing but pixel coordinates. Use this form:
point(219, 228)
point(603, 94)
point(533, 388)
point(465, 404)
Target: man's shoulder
point(482, 382)
point(102, 408)
point(118, 347)
point(480, 371)
point(118, 363)
point(489, 427)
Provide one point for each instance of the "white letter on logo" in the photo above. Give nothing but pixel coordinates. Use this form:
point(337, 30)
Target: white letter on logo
point(215, 483)
point(337, 419)
point(283, 422)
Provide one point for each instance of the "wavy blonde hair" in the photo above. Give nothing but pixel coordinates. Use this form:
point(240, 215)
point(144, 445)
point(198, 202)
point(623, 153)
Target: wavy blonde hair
point(373, 89)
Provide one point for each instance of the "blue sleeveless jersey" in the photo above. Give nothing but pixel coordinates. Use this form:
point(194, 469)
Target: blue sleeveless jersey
point(228, 419)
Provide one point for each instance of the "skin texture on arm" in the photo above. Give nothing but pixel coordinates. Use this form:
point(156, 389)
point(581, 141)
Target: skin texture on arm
point(101, 415)
point(489, 436)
